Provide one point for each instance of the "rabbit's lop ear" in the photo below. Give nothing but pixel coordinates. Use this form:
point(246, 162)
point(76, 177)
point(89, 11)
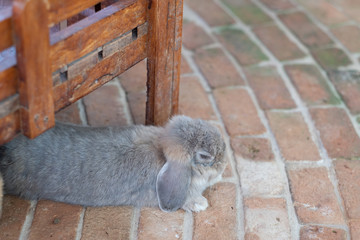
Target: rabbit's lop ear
point(172, 185)
point(173, 179)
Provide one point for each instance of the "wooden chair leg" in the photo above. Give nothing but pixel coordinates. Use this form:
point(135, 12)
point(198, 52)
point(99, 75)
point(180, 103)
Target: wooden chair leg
point(164, 58)
point(30, 19)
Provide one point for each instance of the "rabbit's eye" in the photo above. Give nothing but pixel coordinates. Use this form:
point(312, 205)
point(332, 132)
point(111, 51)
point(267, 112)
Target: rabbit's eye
point(204, 158)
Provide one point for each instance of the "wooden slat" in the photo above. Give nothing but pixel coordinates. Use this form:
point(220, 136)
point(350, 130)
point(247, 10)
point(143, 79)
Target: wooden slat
point(32, 51)
point(9, 127)
point(9, 105)
point(117, 44)
point(82, 64)
point(8, 82)
point(177, 57)
point(5, 28)
point(96, 30)
point(73, 89)
point(164, 55)
point(60, 10)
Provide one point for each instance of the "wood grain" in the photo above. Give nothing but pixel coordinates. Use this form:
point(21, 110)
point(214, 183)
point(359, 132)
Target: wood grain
point(9, 127)
point(8, 82)
point(63, 9)
point(118, 43)
point(177, 57)
point(164, 55)
point(104, 71)
point(9, 105)
point(32, 52)
point(90, 33)
point(5, 28)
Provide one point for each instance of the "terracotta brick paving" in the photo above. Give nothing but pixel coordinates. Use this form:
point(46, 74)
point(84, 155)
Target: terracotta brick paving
point(275, 77)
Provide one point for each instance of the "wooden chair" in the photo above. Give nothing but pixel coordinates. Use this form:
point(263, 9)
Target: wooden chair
point(54, 69)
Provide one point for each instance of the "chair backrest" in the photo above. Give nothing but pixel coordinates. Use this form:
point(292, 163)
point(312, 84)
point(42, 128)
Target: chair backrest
point(54, 69)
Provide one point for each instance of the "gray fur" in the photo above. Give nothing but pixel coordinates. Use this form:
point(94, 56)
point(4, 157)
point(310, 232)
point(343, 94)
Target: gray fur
point(1, 194)
point(114, 165)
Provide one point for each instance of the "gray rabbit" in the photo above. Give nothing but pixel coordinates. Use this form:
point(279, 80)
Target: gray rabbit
point(1, 194)
point(138, 165)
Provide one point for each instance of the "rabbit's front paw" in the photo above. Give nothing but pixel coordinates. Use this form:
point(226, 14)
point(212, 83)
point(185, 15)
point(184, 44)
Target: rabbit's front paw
point(196, 205)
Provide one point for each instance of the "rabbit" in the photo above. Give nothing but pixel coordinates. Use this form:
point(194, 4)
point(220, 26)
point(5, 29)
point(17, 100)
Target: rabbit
point(167, 167)
point(1, 194)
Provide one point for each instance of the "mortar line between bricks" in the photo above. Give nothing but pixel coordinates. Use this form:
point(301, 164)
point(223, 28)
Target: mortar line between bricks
point(84, 122)
point(293, 221)
point(210, 46)
point(296, 165)
point(82, 112)
point(327, 225)
point(122, 99)
point(229, 179)
point(80, 224)
point(135, 218)
point(313, 131)
point(188, 74)
point(356, 55)
point(188, 226)
point(25, 230)
point(305, 60)
point(251, 136)
point(339, 106)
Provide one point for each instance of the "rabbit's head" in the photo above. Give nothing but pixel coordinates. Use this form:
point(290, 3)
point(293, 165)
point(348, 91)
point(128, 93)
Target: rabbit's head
point(193, 149)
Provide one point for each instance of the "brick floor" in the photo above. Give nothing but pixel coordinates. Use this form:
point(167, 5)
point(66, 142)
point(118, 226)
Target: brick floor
point(269, 88)
point(277, 42)
point(281, 81)
point(309, 34)
point(311, 85)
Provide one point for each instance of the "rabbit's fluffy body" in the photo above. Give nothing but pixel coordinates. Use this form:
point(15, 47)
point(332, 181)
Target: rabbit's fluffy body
point(136, 165)
point(1, 193)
